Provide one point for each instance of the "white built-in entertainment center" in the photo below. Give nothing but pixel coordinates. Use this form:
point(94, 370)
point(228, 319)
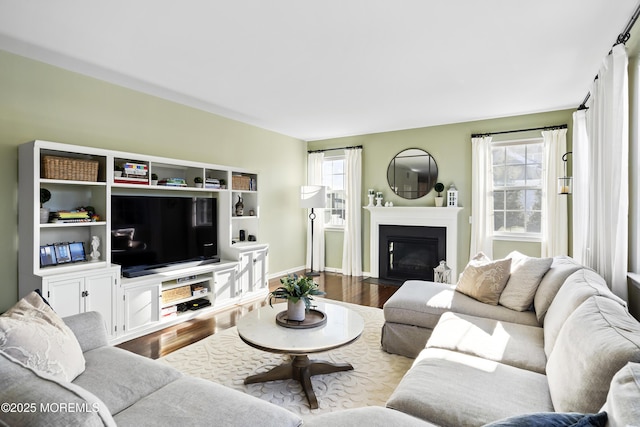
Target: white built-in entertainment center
point(152, 297)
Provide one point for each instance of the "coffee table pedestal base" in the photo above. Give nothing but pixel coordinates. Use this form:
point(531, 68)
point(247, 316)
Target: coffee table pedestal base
point(301, 369)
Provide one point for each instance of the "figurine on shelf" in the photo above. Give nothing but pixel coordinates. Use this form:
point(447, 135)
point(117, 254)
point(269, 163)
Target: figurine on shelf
point(379, 199)
point(95, 244)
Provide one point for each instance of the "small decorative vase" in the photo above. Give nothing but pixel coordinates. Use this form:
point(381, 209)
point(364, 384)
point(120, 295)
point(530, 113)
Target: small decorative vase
point(439, 202)
point(296, 311)
point(44, 215)
point(370, 200)
point(240, 207)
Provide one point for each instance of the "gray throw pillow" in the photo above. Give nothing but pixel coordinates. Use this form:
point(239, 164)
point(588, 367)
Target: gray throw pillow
point(526, 274)
point(33, 334)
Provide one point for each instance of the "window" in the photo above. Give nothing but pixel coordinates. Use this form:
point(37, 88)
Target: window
point(333, 177)
point(517, 188)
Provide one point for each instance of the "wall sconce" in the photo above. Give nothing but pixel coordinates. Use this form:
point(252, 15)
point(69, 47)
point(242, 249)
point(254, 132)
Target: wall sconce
point(565, 183)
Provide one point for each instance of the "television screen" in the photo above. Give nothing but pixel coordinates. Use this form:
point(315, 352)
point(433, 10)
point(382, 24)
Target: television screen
point(150, 232)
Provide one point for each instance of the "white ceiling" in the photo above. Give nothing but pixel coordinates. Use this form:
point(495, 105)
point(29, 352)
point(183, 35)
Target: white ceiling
point(330, 68)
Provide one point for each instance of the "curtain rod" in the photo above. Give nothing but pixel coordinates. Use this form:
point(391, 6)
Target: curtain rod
point(479, 135)
point(352, 147)
point(623, 38)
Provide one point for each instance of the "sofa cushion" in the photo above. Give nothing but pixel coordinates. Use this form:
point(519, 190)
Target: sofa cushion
point(483, 279)
point(595, 342)
point(553, 419)
point(370, 416)
point(39, 399)
point(120, 378)
point(34, 334)
point(504, 342)
point(561, 268)
point(421, 303)
point(576, 289)
point(193, 402)
point(455, 389)
point(526, 273)
point(623, 400)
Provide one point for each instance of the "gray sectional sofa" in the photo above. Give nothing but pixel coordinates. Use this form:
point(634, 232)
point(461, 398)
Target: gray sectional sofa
point(121, 388)
point(575, 355)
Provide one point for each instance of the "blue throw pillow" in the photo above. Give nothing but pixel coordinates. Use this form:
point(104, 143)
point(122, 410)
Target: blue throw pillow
point(553, 419)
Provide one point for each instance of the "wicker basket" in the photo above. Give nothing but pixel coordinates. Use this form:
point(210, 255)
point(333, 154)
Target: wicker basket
point(241, 182)
point(176, 294)
point(69, 169)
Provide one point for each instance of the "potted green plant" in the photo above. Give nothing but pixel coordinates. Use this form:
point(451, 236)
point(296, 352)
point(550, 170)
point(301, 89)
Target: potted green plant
point(298, 291)
point(154, 179)
point(439, 187)
point(198, 181)
point(118, 170)
point(223, 183)
point(45, 196)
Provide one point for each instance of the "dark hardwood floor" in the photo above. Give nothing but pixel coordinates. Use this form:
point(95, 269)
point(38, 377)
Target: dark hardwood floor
point(337, 287)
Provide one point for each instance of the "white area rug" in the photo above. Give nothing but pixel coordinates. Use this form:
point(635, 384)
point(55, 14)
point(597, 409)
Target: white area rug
point(226, 359)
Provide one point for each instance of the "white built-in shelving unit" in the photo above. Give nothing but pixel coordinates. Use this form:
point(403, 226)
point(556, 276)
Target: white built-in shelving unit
point(134, 306)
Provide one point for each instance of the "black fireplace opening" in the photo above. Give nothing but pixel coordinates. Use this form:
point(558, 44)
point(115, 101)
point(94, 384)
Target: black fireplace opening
point(410, 252)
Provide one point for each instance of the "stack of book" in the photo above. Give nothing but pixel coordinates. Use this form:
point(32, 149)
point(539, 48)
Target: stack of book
point(211, 183)
point(71, 216)
point(134, 173)
point(173, 182)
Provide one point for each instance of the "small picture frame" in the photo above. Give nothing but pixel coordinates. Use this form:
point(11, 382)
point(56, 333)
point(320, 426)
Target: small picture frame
point(48, 256)
point(76, 250)
point(63, 254)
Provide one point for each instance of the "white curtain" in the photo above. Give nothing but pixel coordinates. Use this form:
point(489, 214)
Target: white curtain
point(314, 177)
point(481, 197)
point(581, 186)
point(352, 248)
point(607, 174)
point(555, 229)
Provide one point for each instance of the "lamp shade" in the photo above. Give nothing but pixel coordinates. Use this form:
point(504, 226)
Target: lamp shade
point(312, 196)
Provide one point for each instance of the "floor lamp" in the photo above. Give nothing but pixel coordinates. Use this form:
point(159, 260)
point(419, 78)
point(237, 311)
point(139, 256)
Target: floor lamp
point(312, 196)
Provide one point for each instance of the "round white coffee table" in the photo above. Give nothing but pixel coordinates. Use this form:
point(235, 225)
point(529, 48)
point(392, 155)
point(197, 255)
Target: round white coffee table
point(259, 329)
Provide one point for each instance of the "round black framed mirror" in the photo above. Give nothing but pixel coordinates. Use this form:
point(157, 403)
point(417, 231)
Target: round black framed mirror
point(412, 173)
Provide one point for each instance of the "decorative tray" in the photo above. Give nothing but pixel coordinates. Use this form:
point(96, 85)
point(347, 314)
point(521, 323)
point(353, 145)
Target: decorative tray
point(313, 319)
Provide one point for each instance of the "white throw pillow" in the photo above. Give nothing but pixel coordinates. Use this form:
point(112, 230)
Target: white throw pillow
point(32, 333)
point(526, 274)
point(483, 279)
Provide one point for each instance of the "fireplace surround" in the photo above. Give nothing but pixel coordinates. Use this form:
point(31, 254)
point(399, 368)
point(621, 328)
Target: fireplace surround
point(446, 218)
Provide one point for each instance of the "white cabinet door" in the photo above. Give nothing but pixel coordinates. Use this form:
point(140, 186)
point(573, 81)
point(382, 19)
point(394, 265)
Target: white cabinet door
point(101, 296)
point(259, 279)
point(244, 275)
point(141, 306)
point(224, 284)
point(65, 295)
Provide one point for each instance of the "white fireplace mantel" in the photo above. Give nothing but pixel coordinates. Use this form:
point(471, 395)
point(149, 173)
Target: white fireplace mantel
point(414, 216)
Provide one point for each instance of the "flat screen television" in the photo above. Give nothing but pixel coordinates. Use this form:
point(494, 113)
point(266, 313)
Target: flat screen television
point(149, 233)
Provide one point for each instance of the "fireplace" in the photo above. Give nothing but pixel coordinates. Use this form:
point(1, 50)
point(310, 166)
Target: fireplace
point(410, 252)
point(421, 216)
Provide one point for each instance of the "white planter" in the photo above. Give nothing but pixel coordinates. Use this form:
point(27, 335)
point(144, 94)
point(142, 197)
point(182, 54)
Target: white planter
point(296, 311)
point(439, 202)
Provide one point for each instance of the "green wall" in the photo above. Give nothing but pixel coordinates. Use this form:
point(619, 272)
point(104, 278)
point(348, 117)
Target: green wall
point(450, 145)
point(39, 101)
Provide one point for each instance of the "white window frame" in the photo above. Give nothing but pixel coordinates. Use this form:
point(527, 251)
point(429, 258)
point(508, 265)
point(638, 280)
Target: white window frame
point(519, 236)
point(331, 193)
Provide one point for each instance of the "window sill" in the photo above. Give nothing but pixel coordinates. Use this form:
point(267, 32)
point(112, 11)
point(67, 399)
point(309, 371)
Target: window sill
point(517, 238)
point(334, 228)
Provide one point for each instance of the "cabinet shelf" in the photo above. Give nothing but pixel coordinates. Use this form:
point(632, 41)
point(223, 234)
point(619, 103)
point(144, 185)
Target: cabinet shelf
point(69, 182)
point(74, 224)
point(180, 301)
point(69, 268)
